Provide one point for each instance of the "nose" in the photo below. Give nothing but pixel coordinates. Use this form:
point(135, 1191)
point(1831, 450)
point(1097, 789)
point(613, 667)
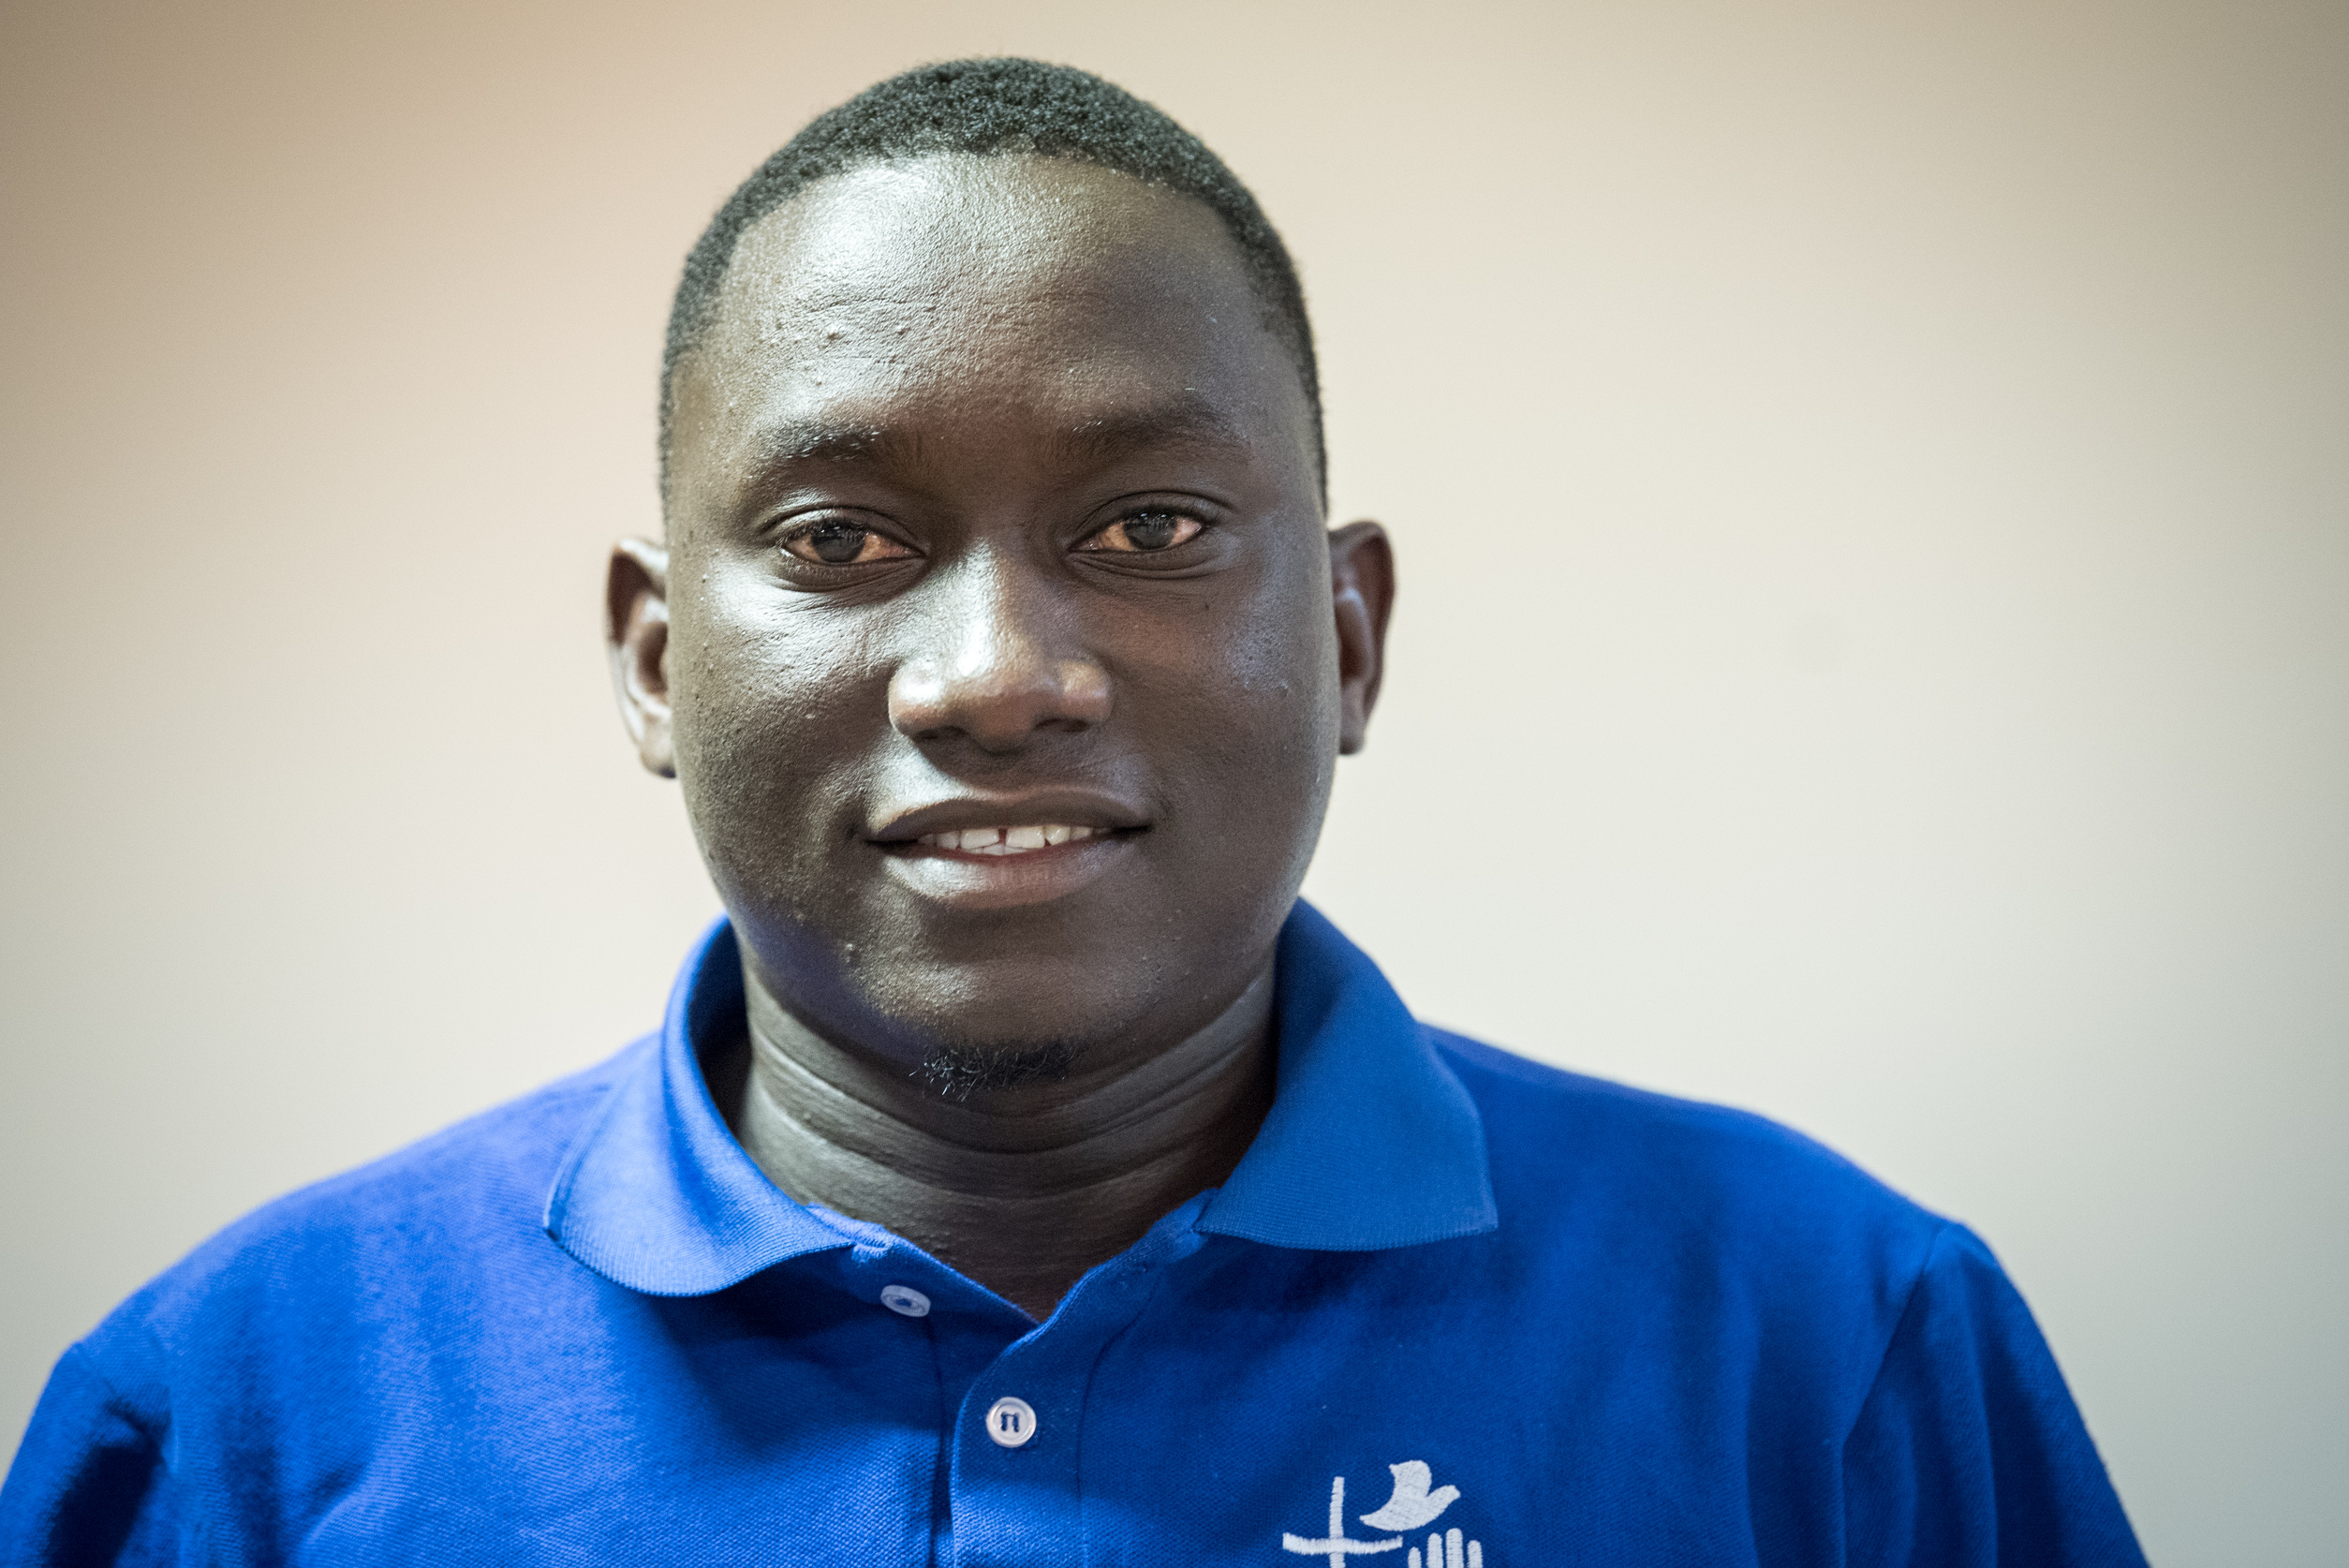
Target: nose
point(996, 668)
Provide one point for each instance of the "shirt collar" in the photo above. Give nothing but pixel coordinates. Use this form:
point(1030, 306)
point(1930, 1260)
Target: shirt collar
point(1371, 1142)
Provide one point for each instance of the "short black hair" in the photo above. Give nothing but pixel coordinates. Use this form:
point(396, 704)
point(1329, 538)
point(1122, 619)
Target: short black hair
point(984, 108)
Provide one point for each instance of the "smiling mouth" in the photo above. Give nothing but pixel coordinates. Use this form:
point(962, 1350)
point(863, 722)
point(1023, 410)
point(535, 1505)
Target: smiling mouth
point(1026, 839)
point(1039, 848)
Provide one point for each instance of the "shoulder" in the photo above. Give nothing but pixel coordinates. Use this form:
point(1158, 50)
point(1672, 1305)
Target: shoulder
point(1661, 1183)
point(464, 1201)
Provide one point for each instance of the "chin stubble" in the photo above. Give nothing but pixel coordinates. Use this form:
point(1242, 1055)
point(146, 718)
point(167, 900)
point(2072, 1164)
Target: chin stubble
point(958, 1072)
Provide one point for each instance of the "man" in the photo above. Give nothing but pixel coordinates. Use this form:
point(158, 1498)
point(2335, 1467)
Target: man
point(1023, 1176)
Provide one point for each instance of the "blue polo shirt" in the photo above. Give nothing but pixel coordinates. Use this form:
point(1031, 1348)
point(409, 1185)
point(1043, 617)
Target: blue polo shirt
point(1452, 1310)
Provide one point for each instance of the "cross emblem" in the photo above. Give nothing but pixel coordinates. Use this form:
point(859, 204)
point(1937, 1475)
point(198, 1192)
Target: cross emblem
point(1338, 1547)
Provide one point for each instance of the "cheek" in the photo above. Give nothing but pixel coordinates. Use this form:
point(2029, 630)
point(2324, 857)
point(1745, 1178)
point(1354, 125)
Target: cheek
point(774, 705)
point(1254, 696)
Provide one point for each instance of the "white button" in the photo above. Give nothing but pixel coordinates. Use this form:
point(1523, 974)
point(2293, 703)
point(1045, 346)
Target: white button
point(1010, 1422)
point(906, 1299)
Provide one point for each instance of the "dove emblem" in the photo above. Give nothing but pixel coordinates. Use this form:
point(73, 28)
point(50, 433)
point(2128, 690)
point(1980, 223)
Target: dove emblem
point(1413, 1503)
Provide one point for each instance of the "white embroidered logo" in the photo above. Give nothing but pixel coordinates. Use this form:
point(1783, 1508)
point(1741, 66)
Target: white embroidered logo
point(1412, 1505)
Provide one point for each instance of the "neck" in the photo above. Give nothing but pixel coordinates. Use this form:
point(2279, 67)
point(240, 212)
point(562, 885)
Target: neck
point(1024, 1188)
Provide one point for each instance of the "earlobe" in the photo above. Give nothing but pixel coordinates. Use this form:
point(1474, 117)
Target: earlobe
point(1361, 592)
point(636, 630)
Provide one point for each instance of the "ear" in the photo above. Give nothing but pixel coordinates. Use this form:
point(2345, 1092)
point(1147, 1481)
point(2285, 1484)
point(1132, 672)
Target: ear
point(636, 630)
point(1362, 592)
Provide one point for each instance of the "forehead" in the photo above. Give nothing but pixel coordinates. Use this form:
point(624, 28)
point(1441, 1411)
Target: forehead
point(1039, 287)
point(1019, 223)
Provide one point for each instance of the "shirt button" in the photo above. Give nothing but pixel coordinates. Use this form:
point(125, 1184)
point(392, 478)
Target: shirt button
point(907, 1300)
point(1010, 1422)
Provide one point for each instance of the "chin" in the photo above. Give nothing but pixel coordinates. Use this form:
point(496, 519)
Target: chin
point(1071, 984)
point(1043, 1010)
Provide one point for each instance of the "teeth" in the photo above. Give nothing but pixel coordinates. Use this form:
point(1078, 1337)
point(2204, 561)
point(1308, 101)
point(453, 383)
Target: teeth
point(1009, 840)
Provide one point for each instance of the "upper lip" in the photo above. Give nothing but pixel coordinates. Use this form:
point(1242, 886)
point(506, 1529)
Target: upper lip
point(1075, 808)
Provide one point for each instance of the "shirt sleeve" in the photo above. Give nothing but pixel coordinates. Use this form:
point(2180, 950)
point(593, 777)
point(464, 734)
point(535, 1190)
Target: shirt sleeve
point(89, 1486)
point(1968, 1452)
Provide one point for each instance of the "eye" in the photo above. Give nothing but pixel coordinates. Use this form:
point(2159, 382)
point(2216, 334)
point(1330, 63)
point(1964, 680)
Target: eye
point(834, 542)
point(1144, 532)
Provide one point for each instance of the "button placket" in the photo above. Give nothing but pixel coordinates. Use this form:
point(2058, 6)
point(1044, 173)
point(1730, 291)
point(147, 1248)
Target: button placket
point(1012, 1506)
point(1016, 1498)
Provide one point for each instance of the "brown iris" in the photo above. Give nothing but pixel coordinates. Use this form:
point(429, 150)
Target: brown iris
point(1147, 531)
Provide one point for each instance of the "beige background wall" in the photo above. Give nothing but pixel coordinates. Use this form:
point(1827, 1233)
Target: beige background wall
point(1872, 482)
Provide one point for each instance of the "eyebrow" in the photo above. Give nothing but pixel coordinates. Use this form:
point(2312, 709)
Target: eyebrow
point(1188, 421)
point(821, 441)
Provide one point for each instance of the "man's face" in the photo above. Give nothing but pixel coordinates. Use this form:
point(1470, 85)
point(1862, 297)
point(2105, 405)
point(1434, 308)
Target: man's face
point(993, 507)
